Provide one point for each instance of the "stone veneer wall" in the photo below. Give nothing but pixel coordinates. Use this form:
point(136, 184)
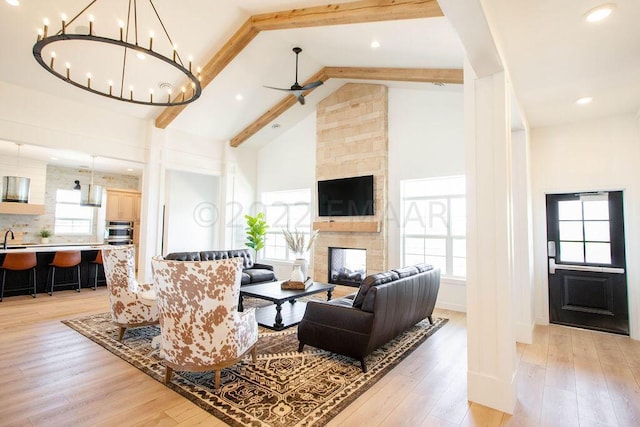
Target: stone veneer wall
point(352, 140)
point(27, 227)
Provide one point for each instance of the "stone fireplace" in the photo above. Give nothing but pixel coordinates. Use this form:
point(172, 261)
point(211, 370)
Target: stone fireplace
point(351, 126)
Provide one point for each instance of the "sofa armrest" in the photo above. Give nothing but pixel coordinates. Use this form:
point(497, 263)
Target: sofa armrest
point(338, 316)
point(263, 266)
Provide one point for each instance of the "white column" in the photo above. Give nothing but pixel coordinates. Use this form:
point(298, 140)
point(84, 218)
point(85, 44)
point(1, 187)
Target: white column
point(491, 345)
point(152, 204)
point(522, 237)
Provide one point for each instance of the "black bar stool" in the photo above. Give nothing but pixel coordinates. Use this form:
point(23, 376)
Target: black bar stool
point(64, 259)
point(96, 262)
point(19, 262)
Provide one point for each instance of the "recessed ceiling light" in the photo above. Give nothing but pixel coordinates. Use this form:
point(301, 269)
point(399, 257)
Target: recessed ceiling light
point(14, 2)
point(585, 100)
point(141, 55)
point(375, 44)
point(54, 158)
point(599, 13)
point(239, 97)
point(129, 170)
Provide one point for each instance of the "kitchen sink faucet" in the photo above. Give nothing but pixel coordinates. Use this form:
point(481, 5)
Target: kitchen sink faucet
point(4, 246)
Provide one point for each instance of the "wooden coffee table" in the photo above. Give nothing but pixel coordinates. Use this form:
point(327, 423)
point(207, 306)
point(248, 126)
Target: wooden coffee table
point(281, 316)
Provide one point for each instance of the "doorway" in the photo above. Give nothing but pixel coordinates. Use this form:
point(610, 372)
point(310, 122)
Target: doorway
point(587, 266)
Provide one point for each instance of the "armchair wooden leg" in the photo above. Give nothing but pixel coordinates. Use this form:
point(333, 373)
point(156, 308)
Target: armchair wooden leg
point(254, 353)
point(300, 347)
point(121, 333)
point(167, 374)
point(217, 382)
point(363, 365)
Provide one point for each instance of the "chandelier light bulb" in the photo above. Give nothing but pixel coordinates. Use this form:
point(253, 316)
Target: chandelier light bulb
point(63, 17)
point(89, 80)
point(46, 27)
point(150, 40)
point(68, 70)
point(190, 61)
point(91, 19)
point(110, 87)
point(53, 58)
point(599, 13)
point(131, 92)
point(121, 25)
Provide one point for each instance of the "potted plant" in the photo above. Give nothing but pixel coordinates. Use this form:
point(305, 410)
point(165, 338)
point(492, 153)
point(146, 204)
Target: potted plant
point(297, 244)
point(256, 231)
point(44, 235)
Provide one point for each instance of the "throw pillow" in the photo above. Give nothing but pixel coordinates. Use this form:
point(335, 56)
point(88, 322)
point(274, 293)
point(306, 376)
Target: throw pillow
point(373, 280)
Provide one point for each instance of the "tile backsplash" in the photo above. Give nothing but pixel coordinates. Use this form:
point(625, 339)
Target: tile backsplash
point(27, 227)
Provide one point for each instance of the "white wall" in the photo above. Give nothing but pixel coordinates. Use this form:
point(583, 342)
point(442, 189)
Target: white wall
point(191, 212)
point(588, 156)
point(426, 139)
point(289, 163)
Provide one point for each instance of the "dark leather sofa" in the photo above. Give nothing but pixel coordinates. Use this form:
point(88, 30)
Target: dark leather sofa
point(252, 272)
point(387, 304)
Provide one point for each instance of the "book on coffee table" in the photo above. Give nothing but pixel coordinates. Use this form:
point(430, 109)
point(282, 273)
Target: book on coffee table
point(288, 284)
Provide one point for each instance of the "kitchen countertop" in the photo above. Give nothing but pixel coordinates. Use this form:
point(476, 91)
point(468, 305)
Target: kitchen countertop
point(51, 247)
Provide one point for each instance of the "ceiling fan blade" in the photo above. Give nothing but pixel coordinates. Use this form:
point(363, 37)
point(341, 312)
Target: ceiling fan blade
point(301, 99)
point(311, 85)
point(279, 88)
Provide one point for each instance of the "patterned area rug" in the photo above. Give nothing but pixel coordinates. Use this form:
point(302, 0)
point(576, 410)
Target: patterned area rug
point(284, 387)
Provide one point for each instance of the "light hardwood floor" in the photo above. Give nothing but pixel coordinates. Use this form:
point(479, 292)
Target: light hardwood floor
point(53, 376)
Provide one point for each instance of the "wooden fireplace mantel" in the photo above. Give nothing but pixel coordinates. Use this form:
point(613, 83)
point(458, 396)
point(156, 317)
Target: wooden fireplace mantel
point(348, 226)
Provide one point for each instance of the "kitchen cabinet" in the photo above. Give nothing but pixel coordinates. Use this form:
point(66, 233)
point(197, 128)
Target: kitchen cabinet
point(123, 205)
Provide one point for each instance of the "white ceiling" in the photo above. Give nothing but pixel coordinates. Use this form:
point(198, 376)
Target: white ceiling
point(552, 55)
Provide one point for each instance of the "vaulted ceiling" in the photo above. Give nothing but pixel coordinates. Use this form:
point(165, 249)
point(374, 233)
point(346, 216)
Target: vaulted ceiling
point(552, 55)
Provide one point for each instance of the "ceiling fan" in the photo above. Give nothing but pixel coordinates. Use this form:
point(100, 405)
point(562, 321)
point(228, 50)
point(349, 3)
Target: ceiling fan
point(296, 89)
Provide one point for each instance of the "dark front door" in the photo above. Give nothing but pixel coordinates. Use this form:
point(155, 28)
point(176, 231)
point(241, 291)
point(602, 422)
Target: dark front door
point(587, 269)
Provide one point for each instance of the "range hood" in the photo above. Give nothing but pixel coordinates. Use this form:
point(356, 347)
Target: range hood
point(15, 189)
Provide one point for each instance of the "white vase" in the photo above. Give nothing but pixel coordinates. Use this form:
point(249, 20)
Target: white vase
point(44, 240)
point(296, 274)
point(302, 262)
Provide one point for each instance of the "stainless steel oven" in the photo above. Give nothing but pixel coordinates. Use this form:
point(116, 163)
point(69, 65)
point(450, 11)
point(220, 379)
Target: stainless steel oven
point(119, 232)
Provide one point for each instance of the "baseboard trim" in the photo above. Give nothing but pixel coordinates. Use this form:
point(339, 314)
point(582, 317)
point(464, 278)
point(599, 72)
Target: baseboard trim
point(492, 392)
point(451, 306)
point(524, 332)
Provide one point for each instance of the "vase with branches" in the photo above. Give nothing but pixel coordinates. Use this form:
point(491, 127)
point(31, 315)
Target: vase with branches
point(300, 243)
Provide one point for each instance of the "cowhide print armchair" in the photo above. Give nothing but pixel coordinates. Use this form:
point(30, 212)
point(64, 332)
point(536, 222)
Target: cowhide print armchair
point(127, 308)
point(201, 327)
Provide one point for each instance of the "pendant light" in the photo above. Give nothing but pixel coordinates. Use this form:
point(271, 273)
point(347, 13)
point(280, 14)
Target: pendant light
point(16, 188)
point(91, 195)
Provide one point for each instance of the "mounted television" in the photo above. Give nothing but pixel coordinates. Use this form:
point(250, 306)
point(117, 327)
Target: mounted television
point(346, 196)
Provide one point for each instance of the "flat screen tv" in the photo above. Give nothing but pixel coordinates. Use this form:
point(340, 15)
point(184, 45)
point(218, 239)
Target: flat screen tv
point(346, 196)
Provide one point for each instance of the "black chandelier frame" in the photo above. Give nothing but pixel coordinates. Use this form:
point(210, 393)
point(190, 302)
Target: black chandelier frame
point(186, 96)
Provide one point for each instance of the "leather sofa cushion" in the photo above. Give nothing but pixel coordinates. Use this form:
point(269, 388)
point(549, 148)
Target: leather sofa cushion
point(260, 275)
point(213, 255)
point(245, 254)
point(246, 279)
point(406, 271)
point(373, 280)
point(184, 256)
point(423, 267)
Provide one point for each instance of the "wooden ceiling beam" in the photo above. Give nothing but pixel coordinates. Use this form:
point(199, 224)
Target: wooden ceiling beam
point(275, 111)
point(422, 75)
point(332, 14)
point(348, 13)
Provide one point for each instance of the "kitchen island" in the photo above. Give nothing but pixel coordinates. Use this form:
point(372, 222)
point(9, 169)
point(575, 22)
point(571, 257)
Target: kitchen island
point(44, 255)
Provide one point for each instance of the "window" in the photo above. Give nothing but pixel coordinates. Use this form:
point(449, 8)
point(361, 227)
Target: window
point(433, 213)
point(290, 210)
point(583, 227)
point(71, 218)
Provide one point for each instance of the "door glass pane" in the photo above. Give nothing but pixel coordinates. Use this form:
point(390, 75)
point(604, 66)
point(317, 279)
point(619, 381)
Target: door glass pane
point(570, 210)
point(598, 253)
point(572, 251)
point(570, 230)
point(596, 209)
point(596, 231)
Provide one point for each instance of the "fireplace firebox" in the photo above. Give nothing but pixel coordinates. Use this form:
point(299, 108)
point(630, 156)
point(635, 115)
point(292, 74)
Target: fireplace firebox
point(347, 266)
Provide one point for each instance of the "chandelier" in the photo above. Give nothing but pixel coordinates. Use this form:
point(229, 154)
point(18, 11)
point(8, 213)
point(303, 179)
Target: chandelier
point(118, 64)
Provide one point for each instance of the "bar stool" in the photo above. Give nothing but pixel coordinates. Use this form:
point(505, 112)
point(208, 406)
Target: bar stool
point(96, 262)
point(64, 259)
point(19, 262)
